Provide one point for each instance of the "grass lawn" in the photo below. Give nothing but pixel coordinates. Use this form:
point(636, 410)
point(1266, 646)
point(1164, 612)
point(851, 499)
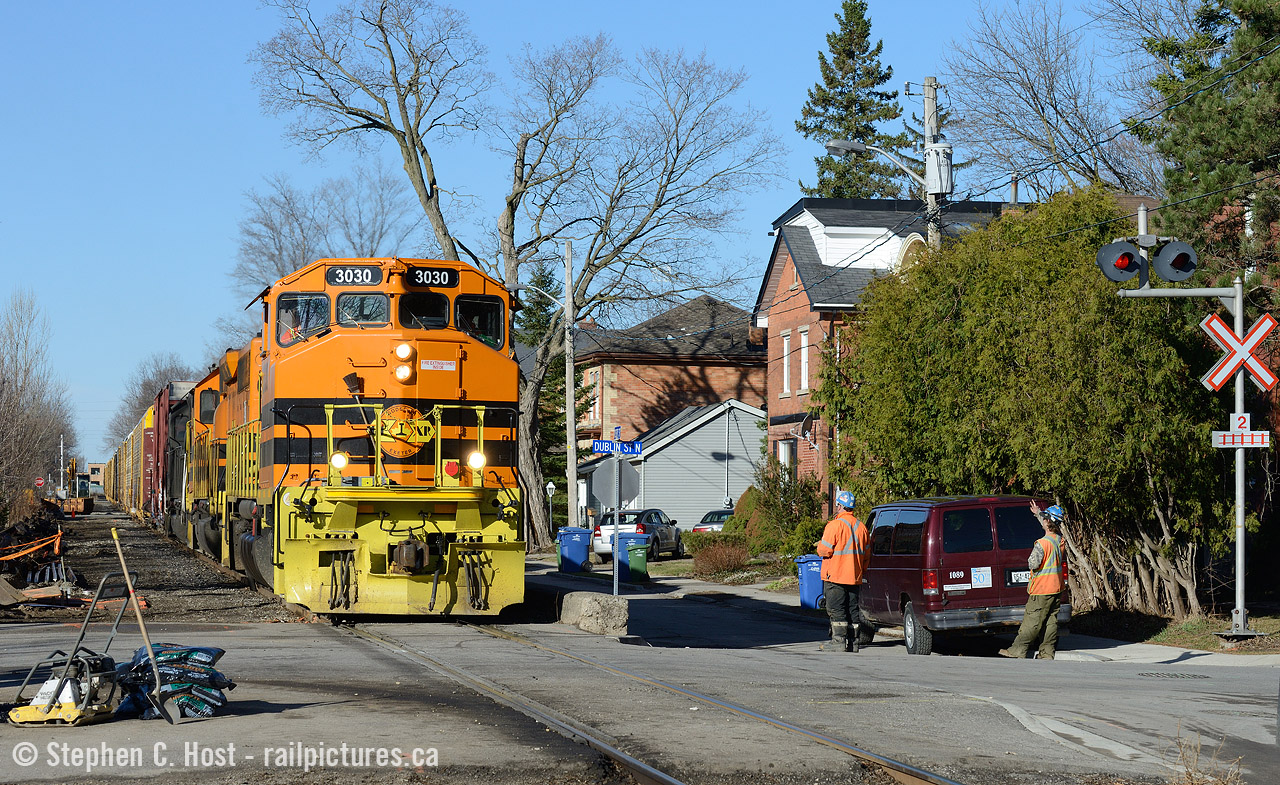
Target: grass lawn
point(1191, 633)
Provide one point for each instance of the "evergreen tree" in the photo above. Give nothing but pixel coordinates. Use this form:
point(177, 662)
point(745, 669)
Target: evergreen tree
point(532, 324)
point(1222, 132)
point(847, 104)
point(1007, 364)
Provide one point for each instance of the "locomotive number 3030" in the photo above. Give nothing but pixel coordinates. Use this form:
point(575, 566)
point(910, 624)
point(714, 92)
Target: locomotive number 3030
point(432, 276)
point(362, 275)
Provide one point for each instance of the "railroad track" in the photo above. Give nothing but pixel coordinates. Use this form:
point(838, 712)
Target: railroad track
point(641, 771)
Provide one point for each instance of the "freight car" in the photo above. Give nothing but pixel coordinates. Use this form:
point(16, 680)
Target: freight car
point(359, 455)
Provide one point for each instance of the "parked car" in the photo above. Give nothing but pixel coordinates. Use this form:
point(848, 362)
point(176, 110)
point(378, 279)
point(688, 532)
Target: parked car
point(664, 536)
point(952, 564)
point(713, 521)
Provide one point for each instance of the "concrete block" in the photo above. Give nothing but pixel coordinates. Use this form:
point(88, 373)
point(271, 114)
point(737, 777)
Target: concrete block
point(601, 614)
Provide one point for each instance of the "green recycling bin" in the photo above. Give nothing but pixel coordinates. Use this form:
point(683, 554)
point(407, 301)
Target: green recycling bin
point(634, 565)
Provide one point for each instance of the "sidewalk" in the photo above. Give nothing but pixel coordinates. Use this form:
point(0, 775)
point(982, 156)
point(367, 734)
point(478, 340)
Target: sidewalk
point(1071, 646)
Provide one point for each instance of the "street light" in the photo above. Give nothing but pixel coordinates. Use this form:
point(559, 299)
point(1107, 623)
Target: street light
point(937, 179)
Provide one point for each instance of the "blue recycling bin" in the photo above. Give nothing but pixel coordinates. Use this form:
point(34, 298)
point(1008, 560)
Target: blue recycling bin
point(809, 569)
point(572, 548)
point(633, 563)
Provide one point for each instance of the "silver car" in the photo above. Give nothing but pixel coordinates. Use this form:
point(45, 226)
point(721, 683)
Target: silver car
point(664, 536)
point(713, 521)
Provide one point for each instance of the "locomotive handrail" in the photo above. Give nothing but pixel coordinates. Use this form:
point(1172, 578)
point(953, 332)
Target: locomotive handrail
point(380, 476)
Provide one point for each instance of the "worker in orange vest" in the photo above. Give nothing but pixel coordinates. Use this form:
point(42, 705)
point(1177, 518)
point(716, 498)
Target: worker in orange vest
point(1040, 619)
point(845, 549)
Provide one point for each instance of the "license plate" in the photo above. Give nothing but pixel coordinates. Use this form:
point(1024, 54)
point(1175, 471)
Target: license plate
point(1019, 577)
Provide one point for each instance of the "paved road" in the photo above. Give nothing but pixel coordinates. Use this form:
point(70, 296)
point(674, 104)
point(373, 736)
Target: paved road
point(301, 688)
point(965, 711)
point(965, 714)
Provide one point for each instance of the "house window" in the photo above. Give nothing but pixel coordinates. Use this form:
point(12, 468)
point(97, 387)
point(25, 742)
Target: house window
point(786, 363)
point(785, 451)
point(595, 395)
point(804, 359)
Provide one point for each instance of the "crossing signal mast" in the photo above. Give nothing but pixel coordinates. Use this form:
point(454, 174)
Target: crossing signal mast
point(1175, 261)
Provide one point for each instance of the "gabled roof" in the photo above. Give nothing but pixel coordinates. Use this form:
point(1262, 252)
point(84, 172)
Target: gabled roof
point(677, 426)
point(901, 216)
point(703, 327)
point(831, 287)
point(825, 285)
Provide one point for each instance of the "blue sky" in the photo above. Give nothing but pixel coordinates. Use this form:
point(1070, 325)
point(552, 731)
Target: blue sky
point(133, 130)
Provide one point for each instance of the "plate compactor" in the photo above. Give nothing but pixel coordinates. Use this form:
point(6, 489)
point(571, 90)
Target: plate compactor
point(79, 687)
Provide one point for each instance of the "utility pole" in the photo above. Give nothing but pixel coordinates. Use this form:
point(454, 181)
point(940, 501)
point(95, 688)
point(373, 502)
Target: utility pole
point(937, 180)
point(570, 396)
point(931, 134)
point(62, 475)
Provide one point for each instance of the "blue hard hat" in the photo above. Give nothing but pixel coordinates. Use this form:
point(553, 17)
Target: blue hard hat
point(1055, 512)
point(845, 499)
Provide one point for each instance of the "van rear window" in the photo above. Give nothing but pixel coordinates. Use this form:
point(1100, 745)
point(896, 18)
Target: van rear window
point(1017, 528)
point(966, 531)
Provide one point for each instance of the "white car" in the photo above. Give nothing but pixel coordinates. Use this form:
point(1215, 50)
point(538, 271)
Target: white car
point(664, 537)
point(713, 521)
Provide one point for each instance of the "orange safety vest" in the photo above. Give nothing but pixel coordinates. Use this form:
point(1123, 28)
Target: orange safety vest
point(845, 549)
point(1048, 578)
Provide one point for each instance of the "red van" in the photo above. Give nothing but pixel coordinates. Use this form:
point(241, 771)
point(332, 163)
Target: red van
point(951, 564)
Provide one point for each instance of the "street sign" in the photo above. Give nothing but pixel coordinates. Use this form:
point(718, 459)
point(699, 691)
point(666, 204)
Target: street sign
point(612, 479)
point(1239, 352)
point(617, 433)
point(39, 482)
point(1240, 435)
point(621, 448)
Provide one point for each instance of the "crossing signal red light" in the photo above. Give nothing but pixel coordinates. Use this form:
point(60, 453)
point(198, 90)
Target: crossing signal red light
point(1120, 261)
point(1175, 262)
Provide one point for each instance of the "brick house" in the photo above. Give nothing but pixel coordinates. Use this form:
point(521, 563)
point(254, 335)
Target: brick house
point(700, 352)
point(825, 252)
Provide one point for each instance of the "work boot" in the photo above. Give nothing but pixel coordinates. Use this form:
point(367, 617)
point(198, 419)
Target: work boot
point(853, 640)
point(839, 638)
point(1007, 653)
point(1044, 655)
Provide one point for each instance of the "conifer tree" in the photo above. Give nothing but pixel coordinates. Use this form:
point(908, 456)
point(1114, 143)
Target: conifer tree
point(1221, 132)
point(847, 103)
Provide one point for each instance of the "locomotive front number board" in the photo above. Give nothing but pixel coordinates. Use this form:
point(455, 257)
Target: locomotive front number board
point(431, 276)
point(353, 275)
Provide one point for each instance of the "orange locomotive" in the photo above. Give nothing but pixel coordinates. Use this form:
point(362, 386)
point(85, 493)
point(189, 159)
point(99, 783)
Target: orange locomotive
point(359, 457)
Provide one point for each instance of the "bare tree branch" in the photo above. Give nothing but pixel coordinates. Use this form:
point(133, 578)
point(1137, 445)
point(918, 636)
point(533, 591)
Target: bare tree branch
point(1028, 98)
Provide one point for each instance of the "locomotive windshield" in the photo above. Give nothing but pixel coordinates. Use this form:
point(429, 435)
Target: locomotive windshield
point(424, 311)
point(480, 317)
point(299, 316)
point(363, 309)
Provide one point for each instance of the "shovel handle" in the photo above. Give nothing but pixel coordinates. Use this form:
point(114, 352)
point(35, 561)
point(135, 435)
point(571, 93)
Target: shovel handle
point(146, 639)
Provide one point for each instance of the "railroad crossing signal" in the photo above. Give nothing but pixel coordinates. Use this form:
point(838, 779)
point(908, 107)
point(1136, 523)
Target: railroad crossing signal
point(1240, 435)
point(1239, 352)
point(1121, 260)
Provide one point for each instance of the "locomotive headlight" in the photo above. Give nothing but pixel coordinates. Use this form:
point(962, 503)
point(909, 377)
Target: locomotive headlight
point(339, 460)
point(404, 373)
point(476, 460)
point(404, 352)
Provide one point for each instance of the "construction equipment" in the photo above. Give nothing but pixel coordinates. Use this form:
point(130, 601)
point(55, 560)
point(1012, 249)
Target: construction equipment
point(156, 698)
point(80, 687)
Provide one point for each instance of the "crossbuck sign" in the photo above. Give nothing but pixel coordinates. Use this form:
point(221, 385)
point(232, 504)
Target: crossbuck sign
point(1239, 352)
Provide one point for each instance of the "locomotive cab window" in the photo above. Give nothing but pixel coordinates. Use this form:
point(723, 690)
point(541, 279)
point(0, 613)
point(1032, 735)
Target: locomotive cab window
point(480, 317)
point(424, 311)
point(360, 310)
point(299, 316)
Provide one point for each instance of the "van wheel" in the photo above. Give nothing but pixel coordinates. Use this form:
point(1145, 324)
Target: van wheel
point(918, 639)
